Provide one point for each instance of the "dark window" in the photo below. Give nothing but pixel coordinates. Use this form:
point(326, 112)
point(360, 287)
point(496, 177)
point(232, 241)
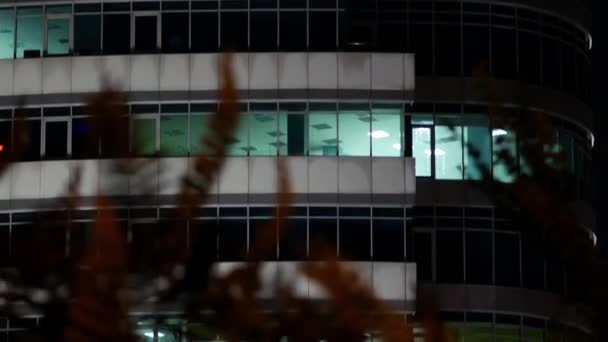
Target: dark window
point(423, 255)
point(504, 53)
point(204, 240)
point(5, 139)
point(146, 33)
point(80, 8)
point(391, 36)
point(114, 137)
point(292, 242)
point(507, 259)
point(262, 234)
point(568, 69)
point(32, 151)
point(323, 211)
point(322, 31)
point(263, 3)
point(4, 245)
point(232, 240)
point(116, 37)
point(116, 6)
point(479, 257)
point(176, 5)
point(84, 141)
point(355, 239)
point(449, 256)
point(234, 30)
point(292, 3)
point(263, 31)
point(145, 241)
point(533, 264)
point(78, 240)
point(388, 240)
point(321, 4)
point(87, 35)
point(48, 241)
point(529, 57)
point(421, 43)
point(175, 32)
point(56, 139)
point(355, 211)
point(292, 34)
point(447, 49)
point(551, 62)
point(233, 212)
point(476, 48)
point(555, 273)
point(323, 237)
point(204, 32)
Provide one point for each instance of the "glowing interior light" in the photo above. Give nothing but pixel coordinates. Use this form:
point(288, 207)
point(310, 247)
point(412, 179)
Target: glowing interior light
point(496, 132)
point(150, 334)
point(1, 148)
point(438, 152)
point(379, 134)
point(397, 146)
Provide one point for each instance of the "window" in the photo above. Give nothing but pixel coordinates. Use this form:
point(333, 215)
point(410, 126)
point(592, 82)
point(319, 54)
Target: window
point(145, 35)
point(240, 141)
point(569, 69)
point(322, 33)
point(29, 32)
point(292, 133)
point(292, 32)
point(504, 53)
point(234, 30)
point(5, 139)
point(116, 40)
point(87, 34)
point(507, 259)
point(204, 31)
point(551, 63)
point(7, 33)
point(144, 136)
point(175, 34)
point(477, 146)
point(476, 48)
point(529, 57)
point(263, 133)
point(421, 43)
point(323, 236)
point(84, 142)
point(56, 139)
point(232, 240)
point(355, 239)
point(354, 130)
point(58, 30)
point(392, 34)
point(32, 151)
point(421, 143)
point(388, 240)
point(204, 239)
point(448, 147)
point(293, 238)
point(323, 132)
point(504, 155)
point(386, 131)
point(449, 256)
point(447, 47)
point(198, 131)
point(478, 257)
point(260, 232)
point(174, 135)
point(533, 267)
point(263, 31)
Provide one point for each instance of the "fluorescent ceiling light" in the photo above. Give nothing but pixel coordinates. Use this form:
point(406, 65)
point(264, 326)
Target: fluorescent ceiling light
point(397, 146)
point(150, 334)
point(438, 152)
point(496, 132)
point(379, 134)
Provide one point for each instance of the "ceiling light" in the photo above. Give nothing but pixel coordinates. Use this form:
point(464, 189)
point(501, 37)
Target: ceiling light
point(438, 152)
point(397, 146)
point(379, 134)
point(150, 334)
point(496, 132)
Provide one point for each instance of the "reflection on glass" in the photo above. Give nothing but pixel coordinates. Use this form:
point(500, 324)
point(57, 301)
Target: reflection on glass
point(174, 135)
point(323, 134)
point(477, 153)
point(421, 150)
point(506, 333)
point(264, 134)
point(292, 134)
point(240, 141)
point(7, 33)
point(87, 34)
point(144, 136)
point(355, 133)
point(29, 32)
point(387, 120)
point(58, 36)
point(504, 155)
point(448, 148)
point(478, 332)
point(198, 131)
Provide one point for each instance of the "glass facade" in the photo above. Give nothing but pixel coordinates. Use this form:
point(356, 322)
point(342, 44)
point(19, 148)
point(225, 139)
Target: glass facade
point(449, 39)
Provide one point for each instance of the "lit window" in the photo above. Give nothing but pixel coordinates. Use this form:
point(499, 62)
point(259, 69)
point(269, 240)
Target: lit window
point(386, 131)
point(29, 32)
point(421, 143)
point(448, 148)
point(504, 155)
point(58, 30)
point(264, 134)
point(354, 129)
point(477, 146)
point(174, 135)
point(144, 136)
point(7, 34)
point(323, 139)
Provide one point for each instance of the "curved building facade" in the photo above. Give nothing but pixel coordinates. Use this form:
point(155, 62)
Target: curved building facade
point(375, 105)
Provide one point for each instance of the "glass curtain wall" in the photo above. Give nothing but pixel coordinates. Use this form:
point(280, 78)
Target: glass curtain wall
point(7, 33)
point(29, 32)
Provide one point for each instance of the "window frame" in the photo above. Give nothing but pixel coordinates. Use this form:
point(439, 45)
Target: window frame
point(54, 16)
point(134, 16)
point(43, 123)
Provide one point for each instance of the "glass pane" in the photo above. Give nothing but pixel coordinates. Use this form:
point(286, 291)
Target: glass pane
point(32, 151)
point(264, 133)
point(263, 35)
point(448, 148)
point(421, 150)
point(292, 134)
point(386, 133)
point(59, 9)
point(504, 155)
point(84, 145)
point(388, 240)
point(7, 33)
point(175, 32)
point(449, 256)
point(323, 134)
point(174, 135)
point(5, 139)
point(322, 35)
point(532, 334)
point(507, 259)
point(478, 257)
point(240, 141)
point(87, 34)
point(58, 36)
point(56, 139)
point(144, 136)
point(198, 130)
point(506, 333)
point(145, 33)
point(234, 30)
point(355, 239)
point(292, 31)
point(355, 134)
point(29, 36)
point(204, 31)
point(477, 146)
point(116, 39)
point(478, 332)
